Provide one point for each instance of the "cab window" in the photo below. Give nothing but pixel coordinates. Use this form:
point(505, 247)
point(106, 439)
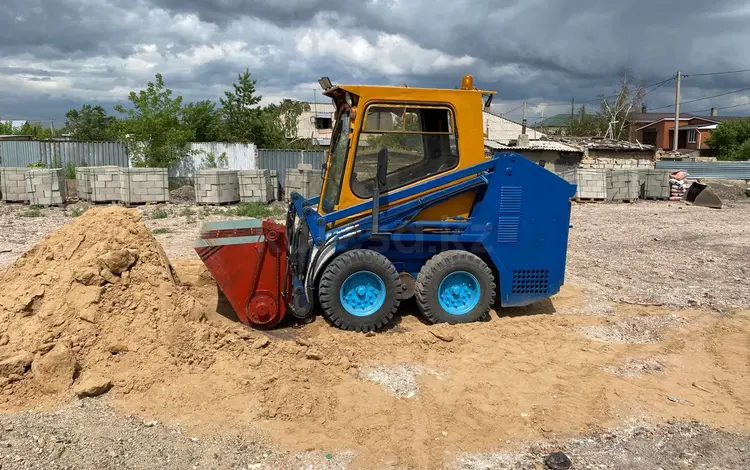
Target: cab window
point(421, 142)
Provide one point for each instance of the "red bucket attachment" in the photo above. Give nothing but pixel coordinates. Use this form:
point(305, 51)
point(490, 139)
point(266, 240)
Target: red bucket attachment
point(248, 260)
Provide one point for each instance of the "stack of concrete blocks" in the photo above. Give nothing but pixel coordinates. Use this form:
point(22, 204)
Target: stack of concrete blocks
point(592, 183)
point(256, 186)
point(217, 186)
point(623, 185)
point(98, 183)
point(143, 185)
point(83, 183)
point(13, 184)
point(654, 184)
point(275, 184)
point(303, 180)
point(46, 187)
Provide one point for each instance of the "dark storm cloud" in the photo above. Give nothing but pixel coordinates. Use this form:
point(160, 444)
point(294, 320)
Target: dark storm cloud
point(539, 50)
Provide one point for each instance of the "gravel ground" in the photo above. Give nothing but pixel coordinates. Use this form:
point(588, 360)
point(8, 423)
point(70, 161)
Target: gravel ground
point(674, 445)
point(90, 435)
point(662, 253)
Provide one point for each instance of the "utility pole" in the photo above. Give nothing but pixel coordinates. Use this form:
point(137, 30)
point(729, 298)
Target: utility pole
point(572, 107)
point(52, 126)
point(523, 121)
point(541, 123)
point(676, 112)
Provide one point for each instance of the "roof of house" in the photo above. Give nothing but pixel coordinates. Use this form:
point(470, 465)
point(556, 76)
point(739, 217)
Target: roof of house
point(601, 143)
point(558, 120)
point(707, 119)
point(652, 117)
point(550, 145)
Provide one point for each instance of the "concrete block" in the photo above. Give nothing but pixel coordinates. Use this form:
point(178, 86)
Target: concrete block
point(623, 185)
point(140, 185)
point(13, 185)
point(591, 183)
point(45, 186)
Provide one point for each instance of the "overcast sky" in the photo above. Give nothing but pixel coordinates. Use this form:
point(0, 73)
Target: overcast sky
point(59, 54)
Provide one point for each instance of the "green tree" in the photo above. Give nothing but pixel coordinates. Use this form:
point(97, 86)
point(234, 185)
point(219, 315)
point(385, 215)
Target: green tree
point(285, 117)
point(6, 128)
point(153, 132)
point(91, 123)
point(587, 125)
point(242, 115)
point(731, 139)
point(204, 120)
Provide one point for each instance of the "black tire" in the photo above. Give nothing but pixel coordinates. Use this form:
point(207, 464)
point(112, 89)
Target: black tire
point(438, 268)
point(339, 270)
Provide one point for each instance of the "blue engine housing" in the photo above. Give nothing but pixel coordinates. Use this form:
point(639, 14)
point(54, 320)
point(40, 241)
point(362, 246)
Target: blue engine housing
point(519, 225)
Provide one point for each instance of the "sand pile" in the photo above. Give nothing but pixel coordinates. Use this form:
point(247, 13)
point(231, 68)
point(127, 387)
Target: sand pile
point(93, 305)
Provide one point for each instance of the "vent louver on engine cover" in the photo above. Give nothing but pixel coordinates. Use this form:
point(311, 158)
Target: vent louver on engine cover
point(509, 220)
point(530, 281)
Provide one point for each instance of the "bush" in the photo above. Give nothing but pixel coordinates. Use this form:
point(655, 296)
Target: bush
point(70, 171)
point(160, 230)
point(187, 212)
point(77, 211)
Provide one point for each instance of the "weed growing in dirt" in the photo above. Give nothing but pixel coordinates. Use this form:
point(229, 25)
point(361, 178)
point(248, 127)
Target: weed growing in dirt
point(33, 211)
point(160, 230)
point(187, 212)
point(159, 214)
point(190, 219)
point(251, 209)
point(77, 211)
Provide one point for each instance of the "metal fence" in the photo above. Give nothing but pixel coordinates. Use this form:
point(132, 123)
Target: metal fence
point(710, 170)
point(17, 153)
point(280, 160)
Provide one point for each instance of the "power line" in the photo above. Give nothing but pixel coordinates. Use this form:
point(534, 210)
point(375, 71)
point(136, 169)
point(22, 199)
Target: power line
point(722, 107)
point(704, 98)
point(657, 86)
point(715, 73)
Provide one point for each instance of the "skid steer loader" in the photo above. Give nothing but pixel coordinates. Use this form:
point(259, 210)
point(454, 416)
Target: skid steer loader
point(410, 206)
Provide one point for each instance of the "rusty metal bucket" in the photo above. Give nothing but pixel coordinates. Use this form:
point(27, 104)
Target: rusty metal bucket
point(248, 260)
point(700, 194)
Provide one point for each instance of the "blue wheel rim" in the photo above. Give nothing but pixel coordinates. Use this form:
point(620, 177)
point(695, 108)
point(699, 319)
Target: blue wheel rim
point(362, 293)
point(459, 292)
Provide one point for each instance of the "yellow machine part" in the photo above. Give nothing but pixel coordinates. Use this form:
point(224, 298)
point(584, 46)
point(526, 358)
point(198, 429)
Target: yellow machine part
point(467, 106)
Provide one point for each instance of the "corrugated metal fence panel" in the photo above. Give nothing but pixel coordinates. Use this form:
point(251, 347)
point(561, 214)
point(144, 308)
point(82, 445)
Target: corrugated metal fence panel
point(14, 153)
point(712, 170)
point(238, 157)
point(21, 154)
point(280, 160)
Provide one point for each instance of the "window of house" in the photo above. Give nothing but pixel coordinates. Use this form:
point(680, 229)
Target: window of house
point(691, 135)
point(323, 123)
point(421, 142)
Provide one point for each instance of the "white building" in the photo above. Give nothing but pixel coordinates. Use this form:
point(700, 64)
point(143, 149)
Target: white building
point(503, 130)
point(317, 124)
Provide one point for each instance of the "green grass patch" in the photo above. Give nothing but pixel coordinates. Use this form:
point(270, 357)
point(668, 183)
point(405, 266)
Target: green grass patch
point(257, 210)
point(159, 214)
point(187, 212)
point(77, 211)
point(160, 230)
point(32, 211)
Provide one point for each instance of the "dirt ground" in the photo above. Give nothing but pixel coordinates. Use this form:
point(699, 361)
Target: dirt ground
point(592, 373)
